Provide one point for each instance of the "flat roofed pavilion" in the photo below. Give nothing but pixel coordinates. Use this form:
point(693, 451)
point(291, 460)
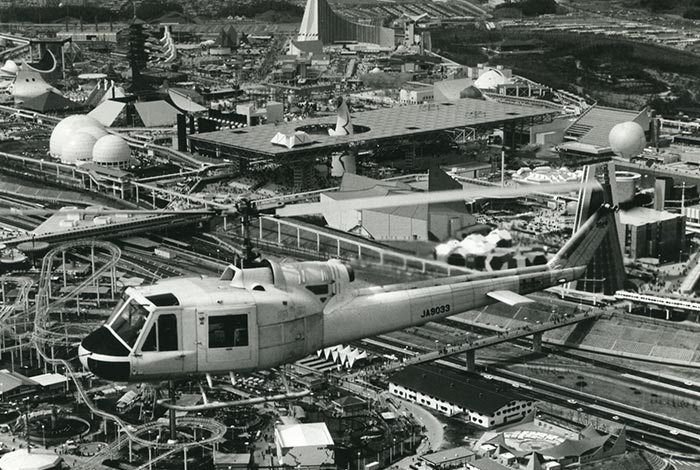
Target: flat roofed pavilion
point(408, 123)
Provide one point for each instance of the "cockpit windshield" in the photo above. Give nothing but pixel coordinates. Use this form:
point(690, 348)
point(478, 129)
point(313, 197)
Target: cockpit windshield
point(129, 322)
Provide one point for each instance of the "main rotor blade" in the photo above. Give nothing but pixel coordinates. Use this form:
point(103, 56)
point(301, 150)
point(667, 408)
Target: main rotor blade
point(434, 197)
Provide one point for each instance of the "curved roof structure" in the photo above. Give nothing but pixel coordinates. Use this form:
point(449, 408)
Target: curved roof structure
point(35, 68)
point(78, 148)
point(111, 150)
point(490, 80)
point(184, 103)
point(68, 126)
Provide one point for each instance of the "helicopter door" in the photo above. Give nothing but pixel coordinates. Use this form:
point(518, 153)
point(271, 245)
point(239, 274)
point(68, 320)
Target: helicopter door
point(160, 348)
point(226, 338)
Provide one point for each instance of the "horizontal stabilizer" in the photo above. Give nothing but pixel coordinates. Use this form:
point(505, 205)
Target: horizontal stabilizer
point(509, 297)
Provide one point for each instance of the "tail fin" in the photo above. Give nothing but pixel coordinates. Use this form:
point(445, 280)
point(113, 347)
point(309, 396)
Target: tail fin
point(581, 248)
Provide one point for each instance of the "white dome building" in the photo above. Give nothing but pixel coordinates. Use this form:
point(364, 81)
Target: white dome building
point(490, 80)
point(112, 151)
point(627, 139)
point(68, 126)
point(10, 67)
point(78, 149)
point(96, 132)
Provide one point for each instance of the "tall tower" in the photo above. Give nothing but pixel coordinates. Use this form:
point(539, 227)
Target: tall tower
point(321, 23)
point(606, 271)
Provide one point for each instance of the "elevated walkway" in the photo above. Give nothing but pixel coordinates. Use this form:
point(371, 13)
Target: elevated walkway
point(667, 302)
point(470, 347)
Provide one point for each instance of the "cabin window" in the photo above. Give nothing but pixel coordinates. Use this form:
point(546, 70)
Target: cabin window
point(163, 335)
point(163, 300)
point(228, 331)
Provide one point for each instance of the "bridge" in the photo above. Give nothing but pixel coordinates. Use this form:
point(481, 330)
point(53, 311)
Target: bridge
point(470, 347)
point(116, 229)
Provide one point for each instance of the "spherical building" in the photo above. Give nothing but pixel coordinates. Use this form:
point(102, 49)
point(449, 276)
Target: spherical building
point(112, 151)
point(68, 126)
point(490, 80)
point(627, 139)
point(78, 148)
point(96, 132)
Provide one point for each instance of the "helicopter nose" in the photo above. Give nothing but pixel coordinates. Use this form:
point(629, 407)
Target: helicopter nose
point(105, 356)
point(83, 356)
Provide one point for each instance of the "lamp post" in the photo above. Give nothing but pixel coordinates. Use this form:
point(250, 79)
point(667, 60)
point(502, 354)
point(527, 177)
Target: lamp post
point(43, 435)
point(66, 5)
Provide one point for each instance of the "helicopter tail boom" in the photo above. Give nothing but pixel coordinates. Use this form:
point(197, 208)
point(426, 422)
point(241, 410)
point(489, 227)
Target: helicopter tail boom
point(581, 247)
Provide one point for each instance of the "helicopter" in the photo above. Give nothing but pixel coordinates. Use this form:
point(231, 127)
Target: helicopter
point(269, 314)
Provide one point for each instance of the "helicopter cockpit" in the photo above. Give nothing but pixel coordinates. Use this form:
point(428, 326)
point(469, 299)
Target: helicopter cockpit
point(106, 351)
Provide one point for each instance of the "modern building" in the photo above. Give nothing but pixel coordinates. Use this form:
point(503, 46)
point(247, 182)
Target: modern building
point(321, 23)
point(305, 446)
point(51, 384)
point(349, 405)
point(419, 222)
point(14, 385)
point(591, 445)
point(224, 461)
point(479, 401)
point(692, 218)
point(111, 151)
point(485, 464)
point(448, 458)
point(586, 140)
point(649, 233)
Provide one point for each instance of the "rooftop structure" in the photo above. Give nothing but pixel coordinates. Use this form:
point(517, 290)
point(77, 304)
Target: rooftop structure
point(448, 458)
point(65, 129)
point(417, 222)
point(482, 402)
point(304, 445)
point(590, 134)
point(370, 128)
point(23, 459)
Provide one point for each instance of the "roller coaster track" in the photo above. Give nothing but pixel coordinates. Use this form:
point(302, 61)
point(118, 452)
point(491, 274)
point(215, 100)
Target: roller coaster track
point(43, 336)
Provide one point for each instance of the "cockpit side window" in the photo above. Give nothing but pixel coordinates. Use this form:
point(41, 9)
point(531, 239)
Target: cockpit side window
point(128, 324)
point(167, 332)
point(228, 331)
point(163, 335)
point(228, 274)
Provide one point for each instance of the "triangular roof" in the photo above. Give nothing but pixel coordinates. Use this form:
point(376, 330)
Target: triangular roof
point(533, 462)
point(157, 113)
point(50, 101)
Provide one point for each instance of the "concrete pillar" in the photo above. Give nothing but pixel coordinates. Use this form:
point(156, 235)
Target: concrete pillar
point(537, 342)
point(471, 360)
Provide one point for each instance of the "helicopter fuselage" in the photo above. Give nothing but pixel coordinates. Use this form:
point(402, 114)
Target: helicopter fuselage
point(260, 318)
